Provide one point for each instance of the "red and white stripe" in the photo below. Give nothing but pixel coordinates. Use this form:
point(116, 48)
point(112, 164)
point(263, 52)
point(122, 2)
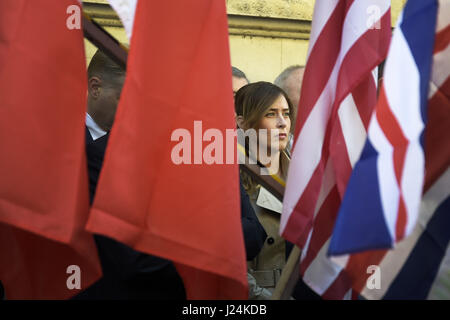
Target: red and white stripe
point(337, 99)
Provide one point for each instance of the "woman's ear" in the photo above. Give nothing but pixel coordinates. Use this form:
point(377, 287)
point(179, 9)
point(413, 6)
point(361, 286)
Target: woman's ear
point(240, 122)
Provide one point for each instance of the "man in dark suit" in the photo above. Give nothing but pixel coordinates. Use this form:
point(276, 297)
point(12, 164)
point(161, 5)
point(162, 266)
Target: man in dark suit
point(127, 273)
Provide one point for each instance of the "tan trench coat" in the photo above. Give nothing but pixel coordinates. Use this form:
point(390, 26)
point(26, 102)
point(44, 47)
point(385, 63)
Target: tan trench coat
point(267, 266)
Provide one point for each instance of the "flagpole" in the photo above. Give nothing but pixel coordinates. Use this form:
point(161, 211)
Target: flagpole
point(104, 41)
point(289, 276)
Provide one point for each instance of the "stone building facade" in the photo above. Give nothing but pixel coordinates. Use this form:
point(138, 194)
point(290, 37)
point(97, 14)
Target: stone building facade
point(266, 36)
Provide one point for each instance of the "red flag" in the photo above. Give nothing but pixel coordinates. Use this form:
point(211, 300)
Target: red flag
point(178, 72)
point(43, 186)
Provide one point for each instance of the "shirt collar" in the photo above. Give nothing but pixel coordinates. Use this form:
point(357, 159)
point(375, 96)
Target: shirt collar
point(95, 131)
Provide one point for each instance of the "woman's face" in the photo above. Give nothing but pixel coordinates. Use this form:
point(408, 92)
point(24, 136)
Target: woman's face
point(277, 123)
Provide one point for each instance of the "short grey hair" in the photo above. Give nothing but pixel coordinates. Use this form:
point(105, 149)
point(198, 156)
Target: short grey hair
point(108, 70)
point(281, 79)
point(238, 73)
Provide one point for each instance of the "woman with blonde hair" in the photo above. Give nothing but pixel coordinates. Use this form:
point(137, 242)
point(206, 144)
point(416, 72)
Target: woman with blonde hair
point(265, 109)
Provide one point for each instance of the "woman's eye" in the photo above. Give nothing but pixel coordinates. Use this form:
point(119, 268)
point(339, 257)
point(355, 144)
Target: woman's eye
point(287, 114)
point(270, 114)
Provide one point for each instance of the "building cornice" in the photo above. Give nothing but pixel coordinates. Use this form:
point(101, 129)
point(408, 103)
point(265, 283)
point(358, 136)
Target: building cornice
point(251, 26)
point(289, 19)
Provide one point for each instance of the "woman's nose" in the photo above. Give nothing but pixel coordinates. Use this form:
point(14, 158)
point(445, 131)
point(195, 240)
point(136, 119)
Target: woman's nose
point(281, 121)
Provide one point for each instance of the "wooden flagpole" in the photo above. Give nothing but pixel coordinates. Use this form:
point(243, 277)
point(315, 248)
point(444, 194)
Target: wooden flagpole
point(104, 41)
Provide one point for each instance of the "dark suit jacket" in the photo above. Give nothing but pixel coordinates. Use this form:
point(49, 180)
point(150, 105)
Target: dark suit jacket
point(127, 273)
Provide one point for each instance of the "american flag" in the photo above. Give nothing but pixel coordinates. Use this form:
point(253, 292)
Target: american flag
point(349, 39)
point(419, 266)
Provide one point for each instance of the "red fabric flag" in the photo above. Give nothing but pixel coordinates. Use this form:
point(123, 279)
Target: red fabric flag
point(43, 187)
point(179, 72)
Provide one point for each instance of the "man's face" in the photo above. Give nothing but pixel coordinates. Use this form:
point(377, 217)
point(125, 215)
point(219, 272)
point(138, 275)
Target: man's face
point(238, 83)
point(108, 102)
point(104, 98)
point(293, 85)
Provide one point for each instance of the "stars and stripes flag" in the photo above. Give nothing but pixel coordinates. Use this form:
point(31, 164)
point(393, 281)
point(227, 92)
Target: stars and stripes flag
point(349, 39)
point(417, 84)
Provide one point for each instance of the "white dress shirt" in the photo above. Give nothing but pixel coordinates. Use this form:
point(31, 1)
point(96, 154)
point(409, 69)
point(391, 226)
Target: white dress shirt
point(95, 131)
